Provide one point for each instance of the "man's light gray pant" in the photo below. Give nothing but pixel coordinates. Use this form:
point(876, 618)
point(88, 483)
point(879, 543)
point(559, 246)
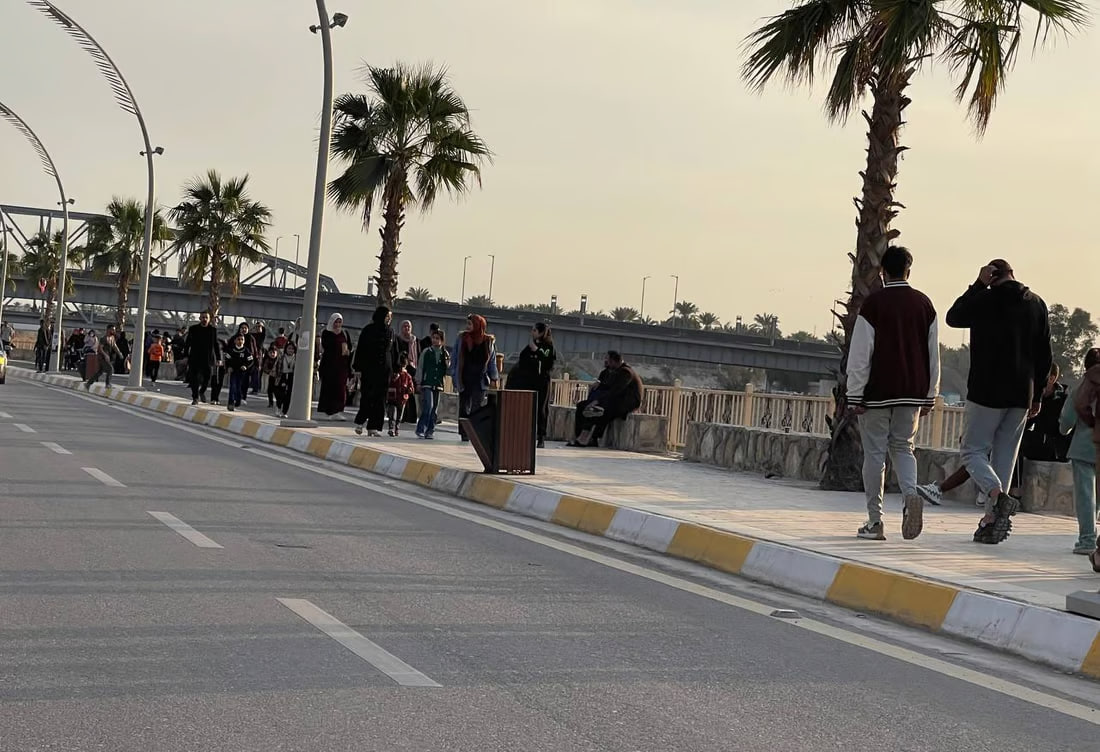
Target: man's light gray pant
point(888, 429)
point(990, 444)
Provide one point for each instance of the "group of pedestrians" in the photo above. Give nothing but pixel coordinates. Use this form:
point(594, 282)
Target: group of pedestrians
point(893, 379)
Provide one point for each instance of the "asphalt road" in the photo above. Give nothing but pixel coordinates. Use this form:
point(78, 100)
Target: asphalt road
point(118, 633)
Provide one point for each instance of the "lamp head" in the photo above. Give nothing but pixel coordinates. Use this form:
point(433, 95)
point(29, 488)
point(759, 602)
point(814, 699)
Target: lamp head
point(340, 19)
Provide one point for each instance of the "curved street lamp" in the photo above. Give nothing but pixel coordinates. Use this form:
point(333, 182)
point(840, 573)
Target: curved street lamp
point(301, 399)
point(51, 170)
point(125, 98)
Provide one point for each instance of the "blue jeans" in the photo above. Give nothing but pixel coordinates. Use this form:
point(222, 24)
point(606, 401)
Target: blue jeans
point(1084, 499)
point(238, 381)
point(426, 423)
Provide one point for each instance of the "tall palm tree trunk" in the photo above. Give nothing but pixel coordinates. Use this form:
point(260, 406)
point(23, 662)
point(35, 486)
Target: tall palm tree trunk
point(123, 297)
point(215, 293)
point(877, 209)
point(394, 220)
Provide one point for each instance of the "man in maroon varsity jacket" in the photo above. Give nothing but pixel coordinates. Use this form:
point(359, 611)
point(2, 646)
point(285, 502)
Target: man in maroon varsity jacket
point(893, 379)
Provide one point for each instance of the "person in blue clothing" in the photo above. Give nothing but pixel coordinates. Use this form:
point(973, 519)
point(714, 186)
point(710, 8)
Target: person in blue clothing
point(1082, 456)
point(473, 367)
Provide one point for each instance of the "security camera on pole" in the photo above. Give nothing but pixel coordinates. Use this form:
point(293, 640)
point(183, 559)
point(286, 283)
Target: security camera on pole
point(301, 399)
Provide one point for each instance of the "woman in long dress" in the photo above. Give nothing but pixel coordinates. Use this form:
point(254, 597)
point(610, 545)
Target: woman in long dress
point(409, 346)
point(334, 369)
point(374, 360)
point(474, 368)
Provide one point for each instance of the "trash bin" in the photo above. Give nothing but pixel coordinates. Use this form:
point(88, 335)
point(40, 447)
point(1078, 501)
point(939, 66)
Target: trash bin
point(503, 432)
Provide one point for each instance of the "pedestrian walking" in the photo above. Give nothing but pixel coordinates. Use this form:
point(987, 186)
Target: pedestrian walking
point(155, 354)
point(401, 388)
point(334, 368)
point(258, 335)
point(533, 372)
point(893, 379)
point(474, 368)
point(374, 360)
point(107, 355)
point(1010, 359)
point(203, 354)
point(1082, 457)
point(238, 366)
point(267, 373)
point(42, 340)
point(284, 378)
point(435, 362)
point(409, 345)
point(217, 373)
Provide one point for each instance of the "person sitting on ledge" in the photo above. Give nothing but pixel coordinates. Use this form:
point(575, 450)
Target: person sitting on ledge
point(616, 394)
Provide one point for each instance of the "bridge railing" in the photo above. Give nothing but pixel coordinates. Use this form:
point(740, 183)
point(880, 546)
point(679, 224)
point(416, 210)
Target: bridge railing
point(792, 413)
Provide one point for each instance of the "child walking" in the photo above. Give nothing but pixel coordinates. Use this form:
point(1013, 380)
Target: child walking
point(401, 388)
point(156, 355)
point(434, 364)
point(238, 364)
point(267, 372)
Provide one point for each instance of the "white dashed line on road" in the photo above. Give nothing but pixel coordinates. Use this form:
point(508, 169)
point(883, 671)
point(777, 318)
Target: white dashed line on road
point(55, 448)
point(185, 530)
point(388, 663)
point(5, 416)
point(24, 428)
point(102, 477)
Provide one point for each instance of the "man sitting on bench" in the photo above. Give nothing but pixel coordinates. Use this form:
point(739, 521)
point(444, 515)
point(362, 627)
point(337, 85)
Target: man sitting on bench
point(616, 394)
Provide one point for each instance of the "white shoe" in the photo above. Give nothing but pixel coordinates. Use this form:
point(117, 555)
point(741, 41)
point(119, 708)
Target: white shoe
point(931, 493)
point(340, 418)
point(358, 430)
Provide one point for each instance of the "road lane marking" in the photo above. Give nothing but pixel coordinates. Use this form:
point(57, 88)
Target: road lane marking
point(386, 662)
point(5, 416)
point(185, 530)
point(102, 477)
point(24, 428)
point(55, 448)
point(388, 488)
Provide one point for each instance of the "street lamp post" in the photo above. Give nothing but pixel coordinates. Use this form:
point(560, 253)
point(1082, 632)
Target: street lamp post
point(641, 311)
point(492, 271)
point(462, 298)
point(301, 400)
point(675, 297)
point(4, 273)
point(297, 247)
point(51, 170)
point(125, 98)
point(275, 267)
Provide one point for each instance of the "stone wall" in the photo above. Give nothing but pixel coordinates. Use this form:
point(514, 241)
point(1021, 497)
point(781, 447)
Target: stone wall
point(1046, 486)
point(638, 433)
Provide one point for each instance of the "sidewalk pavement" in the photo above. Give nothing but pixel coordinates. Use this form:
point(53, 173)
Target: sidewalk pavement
point(789, 534)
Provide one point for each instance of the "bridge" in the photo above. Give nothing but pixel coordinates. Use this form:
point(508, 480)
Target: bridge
point(574, 335)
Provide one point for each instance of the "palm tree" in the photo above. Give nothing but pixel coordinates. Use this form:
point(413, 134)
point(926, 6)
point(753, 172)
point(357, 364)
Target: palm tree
point(479, 301)
point(876, 48)
point(115, 246)
point(218, 226)
point(624, 314)
point(804, 336)
point(685, 314)
point(708, 320)
point(42, 261)
point(419, 294)
point(402, 142)
point(766, 325)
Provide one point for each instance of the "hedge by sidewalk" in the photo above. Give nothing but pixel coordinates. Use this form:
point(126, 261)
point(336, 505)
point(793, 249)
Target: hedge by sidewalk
point(1065, 641)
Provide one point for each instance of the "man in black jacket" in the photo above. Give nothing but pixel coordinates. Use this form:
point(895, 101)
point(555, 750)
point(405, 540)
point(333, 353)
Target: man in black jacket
point(1010, 359)
point(203, 354)
point(617, 393)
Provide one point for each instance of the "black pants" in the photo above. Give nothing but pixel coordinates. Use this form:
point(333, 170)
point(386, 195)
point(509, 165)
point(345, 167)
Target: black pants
point(217, 380)
point(372, 405)
point(543, 407)
point(106, 370)
point(597, 425)
point(41, 358)
point(283, 391)
point(154, 370)
point(200, 379)
point(469, 402)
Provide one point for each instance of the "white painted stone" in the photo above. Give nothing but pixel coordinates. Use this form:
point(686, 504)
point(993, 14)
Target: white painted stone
point(300, 441)
point(265, 432)
point(449, 480)
point(626, 525)
point(1060, 639)
point(544, 503)
point(236, 425)
point(340, 451)
point(657, 532)
point(983, 618)
point(397, 466)
point(790, 568)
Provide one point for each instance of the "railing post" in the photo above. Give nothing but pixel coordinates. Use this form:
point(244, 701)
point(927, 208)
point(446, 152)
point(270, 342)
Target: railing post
point(746, 408)
point(937, 423)
point(674, 430)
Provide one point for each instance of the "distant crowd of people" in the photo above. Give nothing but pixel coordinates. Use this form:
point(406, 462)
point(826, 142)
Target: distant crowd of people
point(1014, 399)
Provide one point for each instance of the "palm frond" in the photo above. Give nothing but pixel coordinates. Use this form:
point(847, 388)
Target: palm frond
point(20, 125)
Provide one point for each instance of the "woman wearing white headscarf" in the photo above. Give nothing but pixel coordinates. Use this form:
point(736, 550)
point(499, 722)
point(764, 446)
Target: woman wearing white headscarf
point(409, 345)
point(334, 369)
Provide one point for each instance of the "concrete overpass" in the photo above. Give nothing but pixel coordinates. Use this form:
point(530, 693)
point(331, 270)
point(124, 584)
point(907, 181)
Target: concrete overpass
point(573, 335)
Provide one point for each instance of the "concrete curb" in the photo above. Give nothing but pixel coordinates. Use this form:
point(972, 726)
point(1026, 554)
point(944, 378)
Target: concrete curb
point(1063, 640)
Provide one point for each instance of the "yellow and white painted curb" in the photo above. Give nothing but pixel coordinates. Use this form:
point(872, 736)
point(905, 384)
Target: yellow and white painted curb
point(1060, 639)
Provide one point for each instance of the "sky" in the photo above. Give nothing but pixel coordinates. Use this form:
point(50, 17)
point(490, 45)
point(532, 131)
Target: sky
point(626, 145)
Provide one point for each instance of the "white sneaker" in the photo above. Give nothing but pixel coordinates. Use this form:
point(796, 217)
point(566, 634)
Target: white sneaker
point(340, 418)
point(931, 493)
point(358, 430)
